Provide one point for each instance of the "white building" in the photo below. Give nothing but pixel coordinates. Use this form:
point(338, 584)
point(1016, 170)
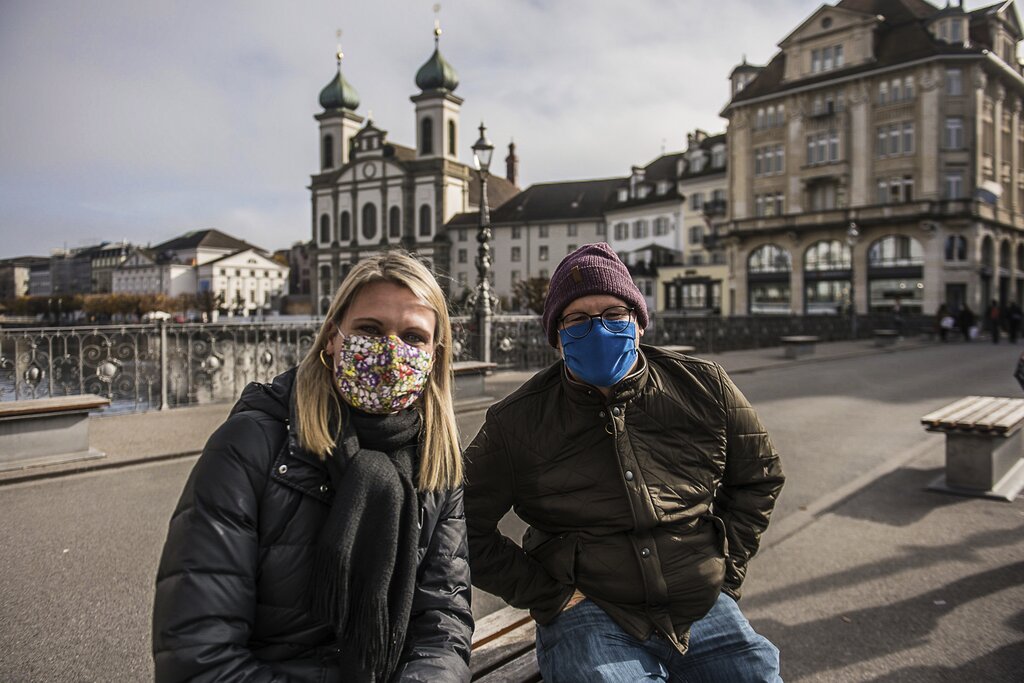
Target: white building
point(371, 194)
point(240, 276)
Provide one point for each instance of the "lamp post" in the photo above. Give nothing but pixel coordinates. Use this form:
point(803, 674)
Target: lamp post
point(482, 151)
point(852, 235)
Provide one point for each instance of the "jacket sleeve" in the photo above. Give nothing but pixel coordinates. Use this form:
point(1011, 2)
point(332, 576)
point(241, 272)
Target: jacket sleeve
point(205, 601)
point(499, 565)
point(441, 625)
point(751, 484)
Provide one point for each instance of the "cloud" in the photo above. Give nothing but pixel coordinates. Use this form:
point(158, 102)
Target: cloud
point(145, 120)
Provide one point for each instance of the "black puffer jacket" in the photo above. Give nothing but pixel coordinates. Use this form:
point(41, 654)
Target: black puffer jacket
point(232, 589)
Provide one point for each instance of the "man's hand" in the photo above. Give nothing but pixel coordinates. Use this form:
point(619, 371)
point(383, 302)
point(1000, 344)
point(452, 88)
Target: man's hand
point(576, 599)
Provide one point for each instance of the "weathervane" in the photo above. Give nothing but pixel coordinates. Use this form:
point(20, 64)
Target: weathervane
point(341, 55)
point(437, 23)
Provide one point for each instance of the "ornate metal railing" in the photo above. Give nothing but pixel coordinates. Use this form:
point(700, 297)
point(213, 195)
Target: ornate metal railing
point(142, 367)
point(145, 367)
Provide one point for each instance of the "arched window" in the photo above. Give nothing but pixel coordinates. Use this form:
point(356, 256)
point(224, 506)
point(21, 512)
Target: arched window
point(895, 251)
point(1020, 256)
point(452, 144)
point(827, 277)
point(827, 255)
point(325, 229)
point(425, 220)
point(1004, 254)
point(956, 248)
point(427, 135)
point(895, 274)
point(768, 274)
point(369, 221)
point(395, 222)
point(327, 154)
point(769, 258)
point(346, 227)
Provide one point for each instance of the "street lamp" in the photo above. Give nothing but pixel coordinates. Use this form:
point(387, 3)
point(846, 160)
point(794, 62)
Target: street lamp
point(482, 151)
point(852, 235)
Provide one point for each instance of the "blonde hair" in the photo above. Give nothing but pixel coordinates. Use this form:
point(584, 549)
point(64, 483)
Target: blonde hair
point(317, 401)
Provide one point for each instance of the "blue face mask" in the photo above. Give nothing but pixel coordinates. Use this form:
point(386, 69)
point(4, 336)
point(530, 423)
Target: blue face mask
point(602, 358)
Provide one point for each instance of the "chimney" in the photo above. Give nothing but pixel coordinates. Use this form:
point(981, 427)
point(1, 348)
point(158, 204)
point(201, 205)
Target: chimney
point(512, 165)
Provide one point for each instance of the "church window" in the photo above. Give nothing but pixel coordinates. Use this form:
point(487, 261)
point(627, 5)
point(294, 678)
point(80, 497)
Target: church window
point(451, 139)
point(425, 220)
point(427, 135)
point(325, 229)
point(327, 158)
point(369, 221)
point(346, 227)
point(395, 222)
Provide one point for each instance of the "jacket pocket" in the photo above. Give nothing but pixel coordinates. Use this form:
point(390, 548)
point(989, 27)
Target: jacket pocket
point(723, 539)
point(555, 552)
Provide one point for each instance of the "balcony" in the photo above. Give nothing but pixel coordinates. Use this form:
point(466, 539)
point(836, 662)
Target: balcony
point(715, 207)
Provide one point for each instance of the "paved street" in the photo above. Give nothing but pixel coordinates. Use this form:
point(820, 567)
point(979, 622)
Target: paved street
point(81, 550)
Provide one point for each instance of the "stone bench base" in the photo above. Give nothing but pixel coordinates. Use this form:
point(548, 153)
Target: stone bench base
point(987, 466)
point(886, 337)
point(799, 346)
point(46, 431)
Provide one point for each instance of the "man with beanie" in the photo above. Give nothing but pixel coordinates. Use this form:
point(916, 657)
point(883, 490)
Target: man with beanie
point(646, 480)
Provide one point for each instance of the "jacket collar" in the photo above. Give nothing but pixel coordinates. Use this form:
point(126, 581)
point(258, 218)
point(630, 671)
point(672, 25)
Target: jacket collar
point(628, 388)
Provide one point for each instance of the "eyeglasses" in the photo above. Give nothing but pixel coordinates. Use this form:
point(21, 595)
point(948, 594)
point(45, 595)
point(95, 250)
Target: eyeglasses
point(614, 319)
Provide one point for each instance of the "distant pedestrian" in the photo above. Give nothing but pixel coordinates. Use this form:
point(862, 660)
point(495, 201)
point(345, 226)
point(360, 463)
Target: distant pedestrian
point(1013, 319)
point(995, 320)
point(967, 321)
point(944, 322)
point(321, 536)
point(897, 316)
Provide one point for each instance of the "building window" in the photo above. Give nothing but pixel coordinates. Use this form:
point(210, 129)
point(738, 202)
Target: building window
point(639, 229)
point(325, 230)
point(718, 157)
point(346, 227)
point(462, 255)
point(515, 276)
point(696, 235)
point(896, 190)
point(463, 279)
point(542, 230)
point(908, 138)
point(954, 185)
point(621, 231)
point(369, 221)
point(697, 201)
point(452, 144)
point(517, 253)
point(954, 133)
point(395, 222)
point(571, 230)
point(602, 229)
point(425, 220)
point(956, 248)
point(827, 58)
point(517, 232)
point(427, 136)
point(883, 93)
point(660, 226)
point(327, 156)
point(542, 254)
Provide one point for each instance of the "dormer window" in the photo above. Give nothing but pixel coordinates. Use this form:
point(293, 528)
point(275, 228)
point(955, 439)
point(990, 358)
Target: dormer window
point(663, 186)
point(623, 194)
point(643, 191)
point(827, 59)
point(718, 157)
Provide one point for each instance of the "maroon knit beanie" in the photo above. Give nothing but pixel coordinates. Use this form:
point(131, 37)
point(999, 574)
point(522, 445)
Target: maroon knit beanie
point(591, 269)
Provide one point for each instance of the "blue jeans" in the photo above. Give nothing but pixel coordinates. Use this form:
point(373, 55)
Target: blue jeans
point(584, 644)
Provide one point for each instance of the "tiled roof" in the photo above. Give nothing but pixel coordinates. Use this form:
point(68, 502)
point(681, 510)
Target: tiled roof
point(499, 189)
point(569, 200)
point(209, 239)
point(902, 36)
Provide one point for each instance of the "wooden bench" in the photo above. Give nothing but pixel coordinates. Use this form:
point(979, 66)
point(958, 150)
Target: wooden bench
point(46, 431)
point(680, 348)
point(504, 648)
point(886, 337)
point(984, 445)
point(799, 345)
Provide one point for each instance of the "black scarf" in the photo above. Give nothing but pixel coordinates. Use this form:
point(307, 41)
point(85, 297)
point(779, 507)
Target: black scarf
point(364, 571)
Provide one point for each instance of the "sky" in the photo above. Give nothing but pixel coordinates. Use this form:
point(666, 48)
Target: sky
point(142, 120)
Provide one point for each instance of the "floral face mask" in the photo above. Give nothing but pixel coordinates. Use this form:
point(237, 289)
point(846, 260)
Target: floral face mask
point(381, 374)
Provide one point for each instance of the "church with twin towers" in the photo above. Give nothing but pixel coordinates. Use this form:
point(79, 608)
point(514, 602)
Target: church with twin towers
point(372, 194)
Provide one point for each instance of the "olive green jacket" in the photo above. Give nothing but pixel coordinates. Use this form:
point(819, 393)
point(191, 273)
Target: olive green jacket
point(650, 502)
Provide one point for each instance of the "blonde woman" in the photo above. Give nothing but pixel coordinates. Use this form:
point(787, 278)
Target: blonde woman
point(321, 536)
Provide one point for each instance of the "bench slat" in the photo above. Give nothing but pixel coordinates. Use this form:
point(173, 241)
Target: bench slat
point(981, 413)
point(952, 419)
point(1009, 420)
point(498, 652)
point(994, 417)
point(58, 404)
point(937, 416)
point(523, 669)
point(499, 623)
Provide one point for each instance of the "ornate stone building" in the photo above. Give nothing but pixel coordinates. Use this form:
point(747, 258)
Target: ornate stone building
point(891, 125)
point(372, 194)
